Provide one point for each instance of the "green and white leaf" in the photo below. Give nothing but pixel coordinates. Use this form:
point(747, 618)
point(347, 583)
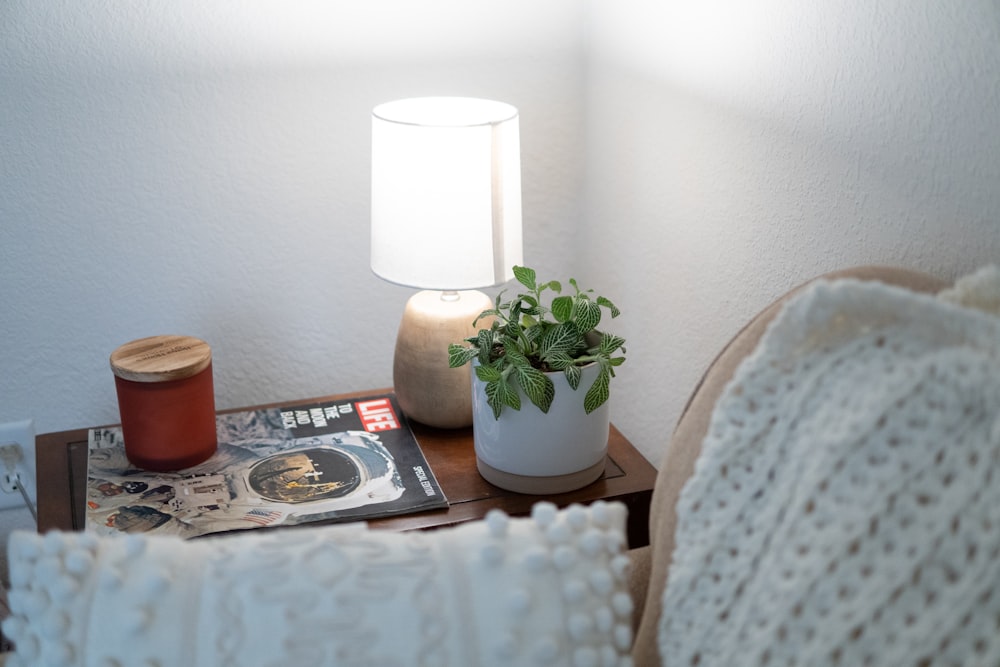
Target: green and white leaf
point(558, 339)
point(525, 276)
point(610, 306)
point(537, 386)
point(599, 392)
point(516, 359)
point(484, 345)
point(588, 315)
point(562, 308)
point(573, 375)
point(500, 394)
point(559, 361)
point(492, 312)
point(489, 373)
point(459, 355)
point(609, 343)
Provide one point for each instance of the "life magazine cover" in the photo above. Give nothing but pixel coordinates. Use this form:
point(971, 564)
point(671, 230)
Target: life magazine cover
point(352, 459)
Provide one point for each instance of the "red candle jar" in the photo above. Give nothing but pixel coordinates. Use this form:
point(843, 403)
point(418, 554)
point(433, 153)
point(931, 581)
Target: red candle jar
point(166, 399)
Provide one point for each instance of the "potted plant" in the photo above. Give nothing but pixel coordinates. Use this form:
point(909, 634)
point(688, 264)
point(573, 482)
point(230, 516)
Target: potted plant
point(554, 356)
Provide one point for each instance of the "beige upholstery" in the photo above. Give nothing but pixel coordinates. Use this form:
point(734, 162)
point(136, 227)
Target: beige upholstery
point(651, 565)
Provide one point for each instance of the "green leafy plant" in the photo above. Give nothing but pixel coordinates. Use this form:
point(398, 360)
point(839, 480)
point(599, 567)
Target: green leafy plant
point(528, 339)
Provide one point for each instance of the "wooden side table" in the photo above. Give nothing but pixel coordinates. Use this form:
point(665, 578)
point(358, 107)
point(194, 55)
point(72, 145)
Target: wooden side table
point(61, 464)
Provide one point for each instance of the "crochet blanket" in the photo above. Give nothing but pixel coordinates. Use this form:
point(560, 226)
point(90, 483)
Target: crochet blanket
point(846, 506)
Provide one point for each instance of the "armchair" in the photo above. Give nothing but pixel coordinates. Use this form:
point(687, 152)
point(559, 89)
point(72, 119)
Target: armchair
point(868, 613)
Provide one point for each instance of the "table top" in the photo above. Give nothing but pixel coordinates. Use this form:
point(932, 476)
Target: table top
point(61, 460)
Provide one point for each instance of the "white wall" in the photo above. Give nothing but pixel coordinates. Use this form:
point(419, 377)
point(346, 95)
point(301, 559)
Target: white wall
point(203, 168)
point(736, 149)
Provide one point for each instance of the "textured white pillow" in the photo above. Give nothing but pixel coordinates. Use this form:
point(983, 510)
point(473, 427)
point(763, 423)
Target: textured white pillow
point(845, 509)
point(545, 590)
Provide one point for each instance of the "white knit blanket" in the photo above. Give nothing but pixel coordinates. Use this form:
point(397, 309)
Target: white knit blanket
point(846, 506)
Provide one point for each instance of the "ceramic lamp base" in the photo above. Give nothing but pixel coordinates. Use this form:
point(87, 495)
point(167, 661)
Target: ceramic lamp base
point(428, 390)
point(540, 486)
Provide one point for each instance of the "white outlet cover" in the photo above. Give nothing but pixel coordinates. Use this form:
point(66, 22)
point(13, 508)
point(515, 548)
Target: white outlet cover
point(23, 433)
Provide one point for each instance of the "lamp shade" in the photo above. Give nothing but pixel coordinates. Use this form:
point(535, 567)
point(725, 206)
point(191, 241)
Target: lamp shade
point(446, 192)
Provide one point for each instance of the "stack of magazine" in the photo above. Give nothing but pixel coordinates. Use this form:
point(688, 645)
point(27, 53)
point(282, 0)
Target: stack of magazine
point(342, 460)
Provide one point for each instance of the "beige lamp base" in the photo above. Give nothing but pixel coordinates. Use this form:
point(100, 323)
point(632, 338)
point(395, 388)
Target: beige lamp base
point(428, 390)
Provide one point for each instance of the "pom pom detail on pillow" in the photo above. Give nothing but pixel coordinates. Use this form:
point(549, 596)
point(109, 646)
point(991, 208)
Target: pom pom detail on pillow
point(545, 590)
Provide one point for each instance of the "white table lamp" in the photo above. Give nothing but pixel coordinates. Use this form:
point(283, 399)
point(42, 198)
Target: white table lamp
point(446, 218)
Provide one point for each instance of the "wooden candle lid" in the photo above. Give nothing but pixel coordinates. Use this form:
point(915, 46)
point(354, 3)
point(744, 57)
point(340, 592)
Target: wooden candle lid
point(161, 358)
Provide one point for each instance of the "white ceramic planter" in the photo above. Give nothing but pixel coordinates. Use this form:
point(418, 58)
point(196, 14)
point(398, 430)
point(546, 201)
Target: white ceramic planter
point(529, 451)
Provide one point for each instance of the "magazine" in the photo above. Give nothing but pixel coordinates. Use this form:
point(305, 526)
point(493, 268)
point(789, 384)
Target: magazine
point(338, 461)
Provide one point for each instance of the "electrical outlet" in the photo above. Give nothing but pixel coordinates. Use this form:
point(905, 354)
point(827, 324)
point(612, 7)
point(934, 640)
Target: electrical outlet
point(22, 433)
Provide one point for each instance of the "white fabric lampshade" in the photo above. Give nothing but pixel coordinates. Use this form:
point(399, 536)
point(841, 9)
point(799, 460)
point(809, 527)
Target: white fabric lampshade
point(446, 192)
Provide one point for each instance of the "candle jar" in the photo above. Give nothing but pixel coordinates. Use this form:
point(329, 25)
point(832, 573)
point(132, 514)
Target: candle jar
point(166, 400)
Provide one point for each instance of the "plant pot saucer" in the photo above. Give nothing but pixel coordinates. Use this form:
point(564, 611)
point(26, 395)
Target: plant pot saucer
point(541, 484)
